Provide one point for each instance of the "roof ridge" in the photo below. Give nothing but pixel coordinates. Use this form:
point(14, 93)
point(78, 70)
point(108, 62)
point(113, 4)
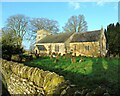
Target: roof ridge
point(87, 32)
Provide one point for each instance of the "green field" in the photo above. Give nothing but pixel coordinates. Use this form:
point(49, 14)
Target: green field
point(90, 73)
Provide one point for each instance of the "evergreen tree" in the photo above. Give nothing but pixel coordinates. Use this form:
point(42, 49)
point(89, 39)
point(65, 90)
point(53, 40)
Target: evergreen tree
point(112, 35)
point(9, 44)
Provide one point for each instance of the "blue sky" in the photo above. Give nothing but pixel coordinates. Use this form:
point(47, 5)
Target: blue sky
point(96, 14)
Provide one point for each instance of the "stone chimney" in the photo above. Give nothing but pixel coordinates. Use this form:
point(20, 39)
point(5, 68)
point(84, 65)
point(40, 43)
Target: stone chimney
point(42, 34)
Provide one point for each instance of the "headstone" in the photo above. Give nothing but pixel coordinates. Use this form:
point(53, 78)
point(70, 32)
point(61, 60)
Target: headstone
point(73, 59)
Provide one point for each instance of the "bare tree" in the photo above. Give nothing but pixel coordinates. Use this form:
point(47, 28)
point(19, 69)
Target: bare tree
point(76, 24)
point(44, 23)
point(19, 25)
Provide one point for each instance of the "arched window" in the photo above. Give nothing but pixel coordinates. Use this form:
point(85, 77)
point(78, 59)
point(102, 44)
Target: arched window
point(50, 49)
point(56, 48)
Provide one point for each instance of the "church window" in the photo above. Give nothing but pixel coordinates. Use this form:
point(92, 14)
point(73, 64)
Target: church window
point(87, 48)
point(75, 47)
point(56, 48)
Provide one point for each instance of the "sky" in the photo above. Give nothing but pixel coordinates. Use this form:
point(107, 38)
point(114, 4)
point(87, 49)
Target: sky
point(119, 12)
point(97, 14)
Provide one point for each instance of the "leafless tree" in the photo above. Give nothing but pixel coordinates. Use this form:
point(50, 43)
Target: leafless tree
point(18, 24)
point(76, 24)
point(44, 23)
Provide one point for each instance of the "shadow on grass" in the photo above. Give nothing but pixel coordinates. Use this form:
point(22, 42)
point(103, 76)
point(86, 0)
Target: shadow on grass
point(100, 75)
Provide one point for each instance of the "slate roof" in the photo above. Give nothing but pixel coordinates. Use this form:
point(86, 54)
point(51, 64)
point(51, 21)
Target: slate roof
point(57, 38)
point(86, 36)
point(41, 47)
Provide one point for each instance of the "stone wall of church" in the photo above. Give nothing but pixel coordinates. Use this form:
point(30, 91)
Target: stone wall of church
point(42, 34)
point(91, 49)
point(52, 49)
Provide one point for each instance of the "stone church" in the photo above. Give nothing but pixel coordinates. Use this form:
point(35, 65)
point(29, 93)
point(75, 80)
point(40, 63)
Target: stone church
point(91, 43)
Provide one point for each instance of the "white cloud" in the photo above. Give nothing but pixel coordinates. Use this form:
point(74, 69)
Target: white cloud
point(74, 5)
point(101, 2)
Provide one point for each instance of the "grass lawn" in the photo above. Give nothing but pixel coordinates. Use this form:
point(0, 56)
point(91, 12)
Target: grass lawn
point(90, 73)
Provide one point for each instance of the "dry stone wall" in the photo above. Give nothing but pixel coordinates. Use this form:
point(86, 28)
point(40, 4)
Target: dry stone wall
point(22, 79)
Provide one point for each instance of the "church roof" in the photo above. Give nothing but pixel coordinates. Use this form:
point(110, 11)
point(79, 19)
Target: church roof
point(57, 38)
point(86, 36)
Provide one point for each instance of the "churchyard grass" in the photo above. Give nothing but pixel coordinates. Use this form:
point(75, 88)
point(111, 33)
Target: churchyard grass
point(89, 73)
